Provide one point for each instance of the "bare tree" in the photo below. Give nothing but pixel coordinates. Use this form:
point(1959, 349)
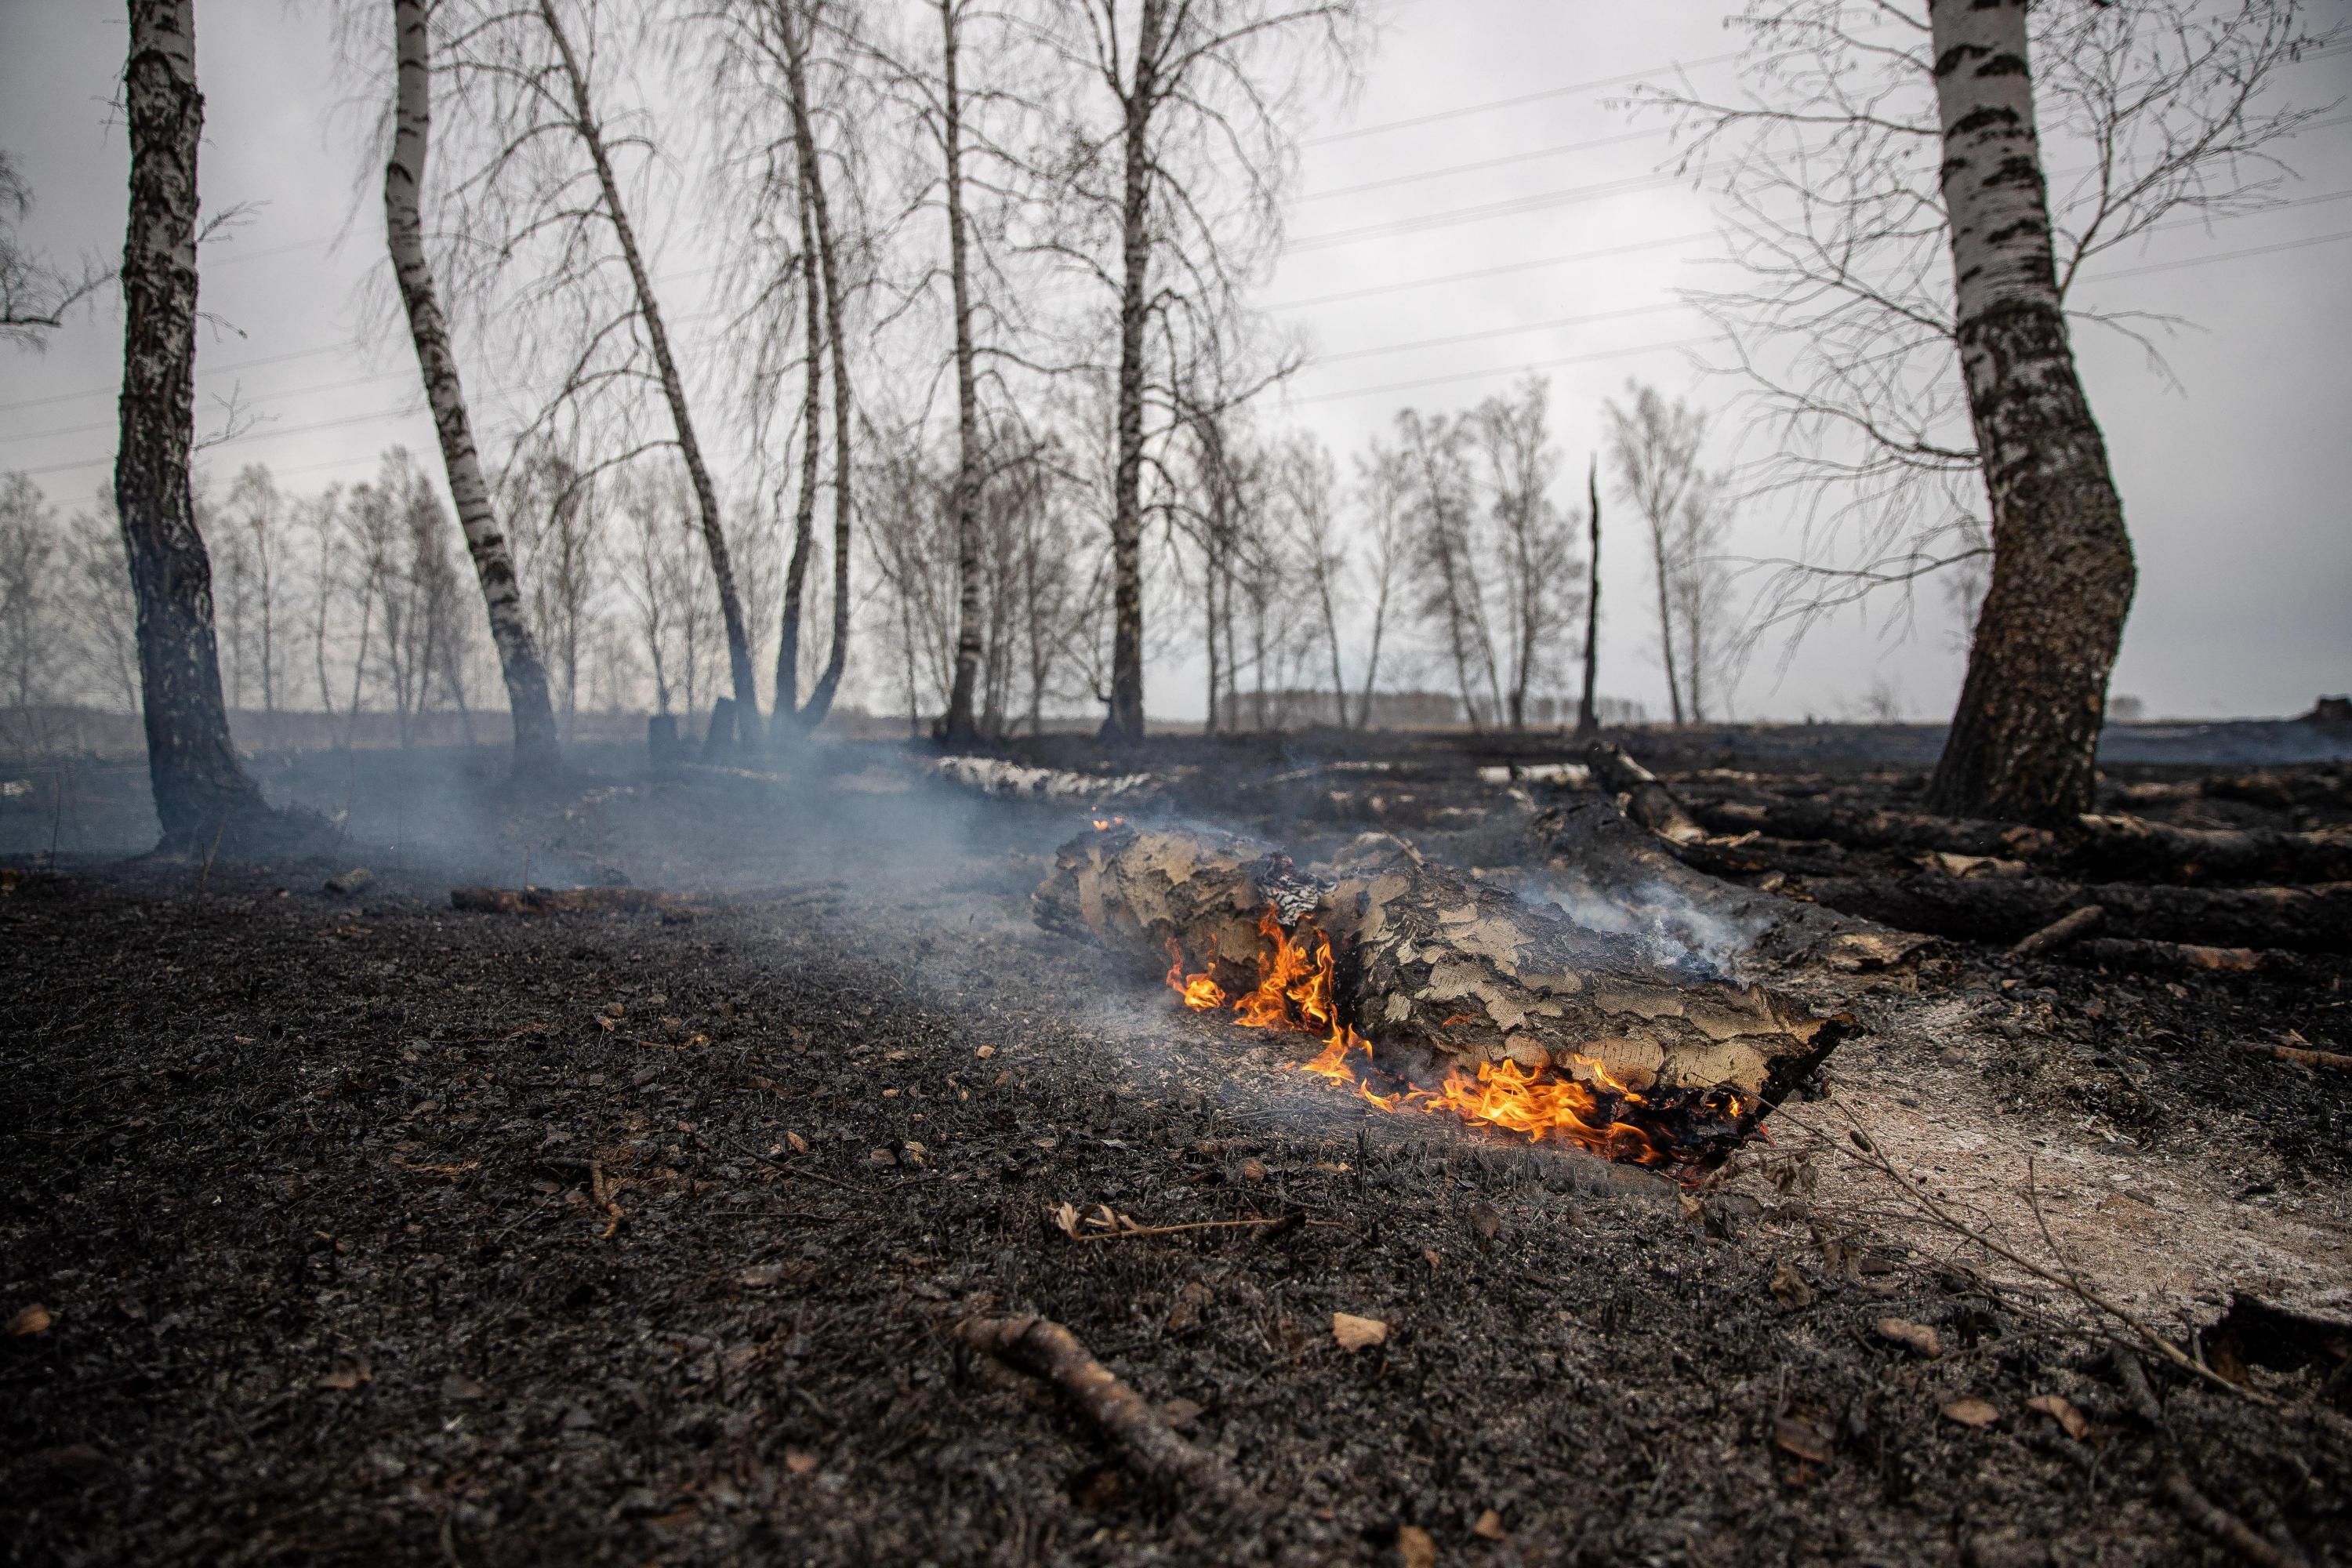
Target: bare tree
point(257, 512)
point(34, 651)
point(201, 789)
point(1384, 488)
point(2025, 738)
point(559, 538)
point(1443, 497)
point(1195, 92)
point(100, 606)
point(404, 176)
point(1845, 171)
point(36, 294)
point(541, 252)
point(1588, 721)
point(1654, 448)
point(1306, 482)
point(1532, 543)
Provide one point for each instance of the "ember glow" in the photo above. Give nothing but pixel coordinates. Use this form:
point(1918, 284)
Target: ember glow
point(1295, 993)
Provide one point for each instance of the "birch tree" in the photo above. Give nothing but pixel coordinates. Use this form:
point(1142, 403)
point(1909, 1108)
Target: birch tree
point(2024, 740)
point(201, 791)
point(1171, 163)
point(1847, 165)
point(1654, 448)
point(535, 750)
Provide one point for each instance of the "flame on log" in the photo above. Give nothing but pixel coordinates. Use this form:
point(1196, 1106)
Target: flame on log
point(1534, 1024)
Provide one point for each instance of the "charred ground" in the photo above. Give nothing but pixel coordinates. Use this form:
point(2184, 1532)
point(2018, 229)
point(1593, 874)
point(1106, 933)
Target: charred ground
point(371, 1230)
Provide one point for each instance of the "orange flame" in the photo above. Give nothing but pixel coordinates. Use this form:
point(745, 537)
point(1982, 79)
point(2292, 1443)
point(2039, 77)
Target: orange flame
point(1295, 992)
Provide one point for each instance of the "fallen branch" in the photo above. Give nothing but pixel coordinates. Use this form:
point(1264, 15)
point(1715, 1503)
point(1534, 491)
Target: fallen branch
point(1284, 1221)
point(1647, 800)
point(2136, 847)
point(1908, 830)
point(2300, 1056)
point(2226, 1527)
point(2064, 932)
point(1047, 1350)
point(2314, 918)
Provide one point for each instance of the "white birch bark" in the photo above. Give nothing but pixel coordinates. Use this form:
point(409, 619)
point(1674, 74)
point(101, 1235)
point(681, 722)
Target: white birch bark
point(2023, 741)
point(403, 179)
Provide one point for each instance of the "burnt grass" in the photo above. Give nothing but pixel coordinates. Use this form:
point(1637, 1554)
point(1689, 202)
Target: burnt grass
point(369, 1231)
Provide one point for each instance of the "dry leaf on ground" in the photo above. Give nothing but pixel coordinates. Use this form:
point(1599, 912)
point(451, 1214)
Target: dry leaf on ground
point(799, 1461)
point(1797, 1435)
point(1789, 1287)
point(1918, 1337)
point(349, 1374)
point(1971, 1411)
point(1414, 1548)
point(1354, 1333)
point(2059, 1409)
point(1489, 1526)
point(33, 1319)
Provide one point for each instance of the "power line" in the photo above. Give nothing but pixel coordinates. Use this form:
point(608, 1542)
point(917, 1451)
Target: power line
point(2220, 255)
point(1474, 273)
point(1494, 103)
point(1507, 207)
point(1494, 163)
point(1506, 332)
point(1514, 370)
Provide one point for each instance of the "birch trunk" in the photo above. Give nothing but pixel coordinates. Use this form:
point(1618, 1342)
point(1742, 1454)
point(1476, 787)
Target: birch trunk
point(820, 700)
point(1125, 724)
point(2024, 738)
point(201, 789)
point(788, 643)
point(1666, 620)
point(403, 177)
point(706, 495)
point(1588, 719)
point(960, 729)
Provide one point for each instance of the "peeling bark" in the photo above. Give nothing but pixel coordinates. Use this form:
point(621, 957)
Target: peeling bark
point(201, 790)
point(403, 177)
point(1430, 960)
point(2023, 742)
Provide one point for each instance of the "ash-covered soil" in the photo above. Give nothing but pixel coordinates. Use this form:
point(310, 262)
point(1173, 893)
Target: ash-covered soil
point(369, 1231)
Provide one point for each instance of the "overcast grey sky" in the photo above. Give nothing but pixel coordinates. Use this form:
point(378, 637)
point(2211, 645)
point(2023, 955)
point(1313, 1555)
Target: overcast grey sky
point(2237, 486)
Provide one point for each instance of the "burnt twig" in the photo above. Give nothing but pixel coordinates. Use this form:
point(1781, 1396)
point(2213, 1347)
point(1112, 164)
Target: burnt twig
point(2227, 1528)
point(1044, 1349)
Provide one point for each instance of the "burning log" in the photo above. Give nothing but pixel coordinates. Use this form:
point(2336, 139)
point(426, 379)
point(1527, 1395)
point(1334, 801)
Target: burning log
point(1535, 1023)
point(2315, 919)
